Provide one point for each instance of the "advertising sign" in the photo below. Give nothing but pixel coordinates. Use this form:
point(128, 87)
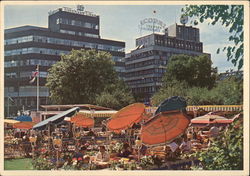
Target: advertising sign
point(152, 24)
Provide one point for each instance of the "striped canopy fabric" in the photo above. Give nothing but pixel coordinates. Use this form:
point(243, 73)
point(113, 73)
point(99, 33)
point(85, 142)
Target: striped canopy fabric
point(164, 127)
point(10, 121)
point(126, 117)
point(210, 119)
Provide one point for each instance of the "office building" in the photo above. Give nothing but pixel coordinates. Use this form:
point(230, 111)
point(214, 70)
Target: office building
point(145, 65)
point(28, 46)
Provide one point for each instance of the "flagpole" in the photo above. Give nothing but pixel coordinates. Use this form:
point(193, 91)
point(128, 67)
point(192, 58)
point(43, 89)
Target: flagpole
point(37, 90)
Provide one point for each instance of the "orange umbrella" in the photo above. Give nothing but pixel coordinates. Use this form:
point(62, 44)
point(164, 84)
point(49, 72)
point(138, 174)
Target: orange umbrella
point(164, 127)
point(81, 120)
point(126, 117)
point(85, 122)
point(24, 125)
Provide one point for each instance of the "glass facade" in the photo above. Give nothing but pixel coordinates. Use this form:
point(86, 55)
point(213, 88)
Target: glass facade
point(77, 23)
point(58, 41)
point(35, 50)
point(28, 62)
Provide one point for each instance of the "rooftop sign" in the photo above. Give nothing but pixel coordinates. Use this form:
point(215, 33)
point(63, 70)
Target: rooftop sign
point(152, 24)
point(67, 9)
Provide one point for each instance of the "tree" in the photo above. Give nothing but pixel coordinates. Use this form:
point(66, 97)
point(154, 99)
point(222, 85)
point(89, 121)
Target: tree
point(226, 151)
point(115, 96)
point(195, 71)
point(173, 88)
point(194, 78)
point(82, 76)
point(228, 91)
point(230, 16)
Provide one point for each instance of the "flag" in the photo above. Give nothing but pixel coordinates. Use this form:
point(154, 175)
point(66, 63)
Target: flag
point(34, 75)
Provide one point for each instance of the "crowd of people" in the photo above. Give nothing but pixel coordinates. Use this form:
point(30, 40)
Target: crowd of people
point(92, 146)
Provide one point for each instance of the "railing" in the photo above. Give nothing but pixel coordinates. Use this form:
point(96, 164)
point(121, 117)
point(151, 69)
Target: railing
point(209, 108)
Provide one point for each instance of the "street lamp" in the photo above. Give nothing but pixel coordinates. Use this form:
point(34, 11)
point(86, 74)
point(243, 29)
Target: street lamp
point(18, 81)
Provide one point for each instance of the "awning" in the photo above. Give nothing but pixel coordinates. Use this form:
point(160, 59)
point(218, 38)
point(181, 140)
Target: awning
point(56, 118)
point(10, 121)
point(107, 113)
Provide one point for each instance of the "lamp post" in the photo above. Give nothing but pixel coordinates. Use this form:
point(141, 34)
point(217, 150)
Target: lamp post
point(18, 80)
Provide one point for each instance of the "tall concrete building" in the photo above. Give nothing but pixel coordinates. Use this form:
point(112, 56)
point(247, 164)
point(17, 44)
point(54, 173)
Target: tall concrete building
point(145, 65)
point(26, 47)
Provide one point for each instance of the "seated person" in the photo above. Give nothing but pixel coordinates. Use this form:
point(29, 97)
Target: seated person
point(186, 145)
point(125, 151)
point(80, 154)
point(102, 155)
point(91, 133)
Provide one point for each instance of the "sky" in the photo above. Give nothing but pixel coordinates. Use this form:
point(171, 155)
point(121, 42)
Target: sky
point(121, 22)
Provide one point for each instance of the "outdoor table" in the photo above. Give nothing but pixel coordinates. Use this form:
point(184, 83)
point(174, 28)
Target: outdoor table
point(101, 165)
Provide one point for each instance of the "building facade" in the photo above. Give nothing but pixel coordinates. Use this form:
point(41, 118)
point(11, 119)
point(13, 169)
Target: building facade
point(146, 64)
point(26, 47)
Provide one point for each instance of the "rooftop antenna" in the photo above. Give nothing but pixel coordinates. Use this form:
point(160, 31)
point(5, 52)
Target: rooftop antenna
point(175, 16)
point(80, 7)
point(154, 12)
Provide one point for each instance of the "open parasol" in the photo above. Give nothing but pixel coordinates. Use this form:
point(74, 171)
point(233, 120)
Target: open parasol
point(164, 127)
point(211, 119)
point(126, 117)
point(24, 125)
point(81, 120)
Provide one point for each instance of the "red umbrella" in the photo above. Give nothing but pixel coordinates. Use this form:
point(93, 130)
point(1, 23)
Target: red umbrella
point(211, 119)
point(81, 120)
point(164, 127)
point(24, 125)
point(126, 117)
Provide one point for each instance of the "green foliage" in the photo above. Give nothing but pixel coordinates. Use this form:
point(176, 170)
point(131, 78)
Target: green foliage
point(42, 163)
point(230, 16)
point(84, 75)
point(226, 92)
point(173, 88)
point(226, 151)
point(194, 78)
point(195, 71)
point(115, 96)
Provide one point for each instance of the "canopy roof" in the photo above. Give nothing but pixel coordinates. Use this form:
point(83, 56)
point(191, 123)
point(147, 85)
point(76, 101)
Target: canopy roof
point(210, 118)
point(105, 113)
point(11, 121)
point(56, 118)
point(81, 106)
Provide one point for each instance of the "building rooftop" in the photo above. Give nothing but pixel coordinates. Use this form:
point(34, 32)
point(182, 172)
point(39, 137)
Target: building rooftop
point(24, 28)
point(81, 106)
point(67, 9)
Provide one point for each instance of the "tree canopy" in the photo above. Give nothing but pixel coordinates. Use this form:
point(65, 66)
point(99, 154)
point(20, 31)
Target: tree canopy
point(194, 70)
point(84, 75)
point(230, 16)
point(195, 79)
